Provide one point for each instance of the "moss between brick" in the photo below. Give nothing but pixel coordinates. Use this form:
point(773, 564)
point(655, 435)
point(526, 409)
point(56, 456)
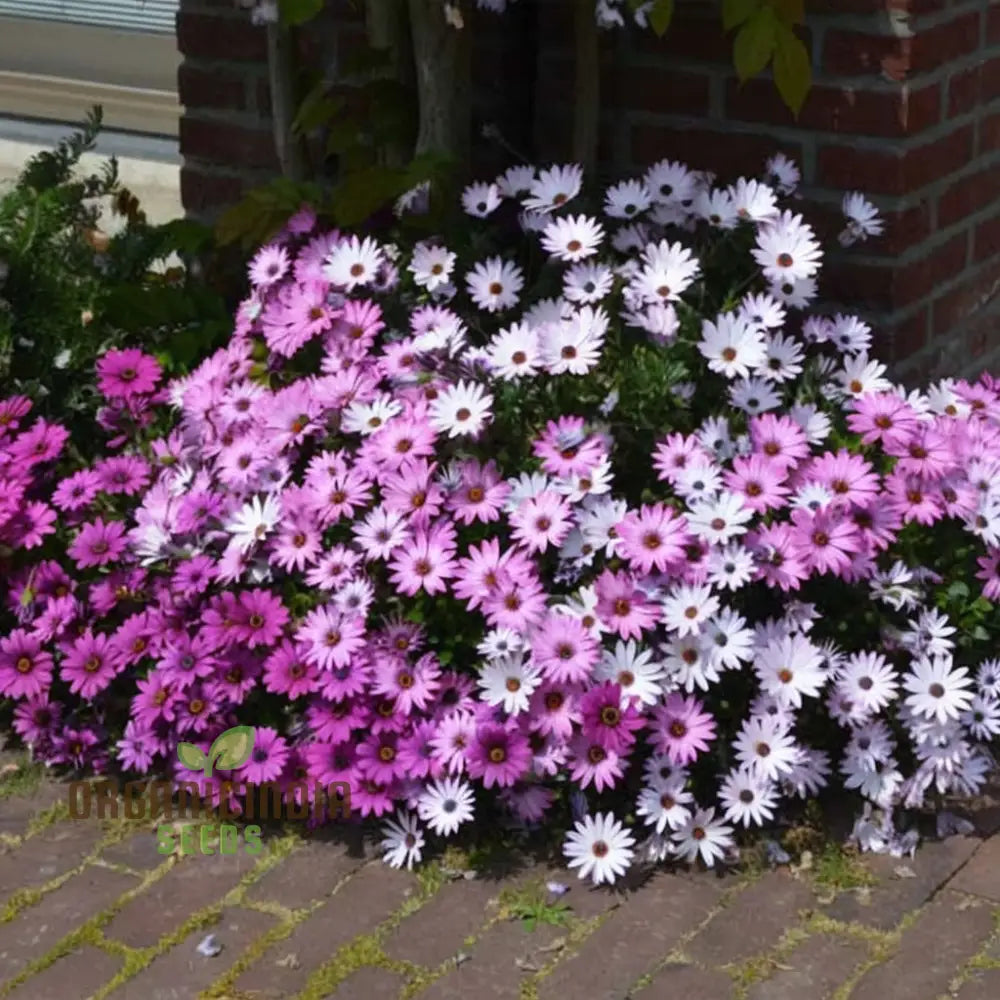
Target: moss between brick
point(136, 959)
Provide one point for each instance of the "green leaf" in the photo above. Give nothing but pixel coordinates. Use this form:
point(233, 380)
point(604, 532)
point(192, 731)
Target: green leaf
point(360, 195)
point(190, 756)
point(735, 12)
point(754, 43)
point(661, 15)
point(294, 12)
point(232, 748)
point(790, 11)
point(792, 70)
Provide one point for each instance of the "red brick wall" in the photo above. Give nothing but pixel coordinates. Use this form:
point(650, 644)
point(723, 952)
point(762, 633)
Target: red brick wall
point(906, 107)
point(225, 135)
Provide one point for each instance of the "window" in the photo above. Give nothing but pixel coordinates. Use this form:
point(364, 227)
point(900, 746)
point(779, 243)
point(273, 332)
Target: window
point(60, 57)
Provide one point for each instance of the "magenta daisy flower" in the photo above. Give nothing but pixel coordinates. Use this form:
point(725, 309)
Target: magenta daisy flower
point(77, 491)
point(564, 649)
point(541, 521)
point(606, 720)
point(682, 729)
point(653, 538)
point(622, 607)
point(127, 373)
point(592, 764)
point(409, 686)
point(378, 757)
point(25, 667)
point(267, 761)
point(98, 544)
point(288, 672)
point(499, 756)
point(90, 664)
point(269, 265)
point(262, 618)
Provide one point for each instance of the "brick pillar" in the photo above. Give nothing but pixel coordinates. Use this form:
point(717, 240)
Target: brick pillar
point(906, 108)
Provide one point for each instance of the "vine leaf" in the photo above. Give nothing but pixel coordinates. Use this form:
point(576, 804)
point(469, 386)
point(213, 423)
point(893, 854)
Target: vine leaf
point(792, 70)
point(661, 15)
point(754, 43)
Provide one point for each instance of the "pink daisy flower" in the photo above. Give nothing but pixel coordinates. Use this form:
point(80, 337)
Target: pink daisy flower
point(681, 729)
point(127, 373)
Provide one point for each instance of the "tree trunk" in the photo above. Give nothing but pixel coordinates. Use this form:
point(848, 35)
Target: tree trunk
point(587, 109)
point(387, 27)
point(280, 67)
point(441, 62)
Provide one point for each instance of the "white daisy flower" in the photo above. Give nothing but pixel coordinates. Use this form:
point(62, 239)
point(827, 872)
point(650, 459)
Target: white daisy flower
point(936, 689)
point(461, 409)
point(572, 238)
point(664, 801)
point(254, 522)
point(431, 266)
point(403, 840)
point(765, 746)
point(669, 181)
point(862, 219)
point(753, 201)
point(515, 352)
point(494, 284)
point(783, 173)
point(600, 847)
point(479, 200)
point(787, 249)
point(516, 181)
point(353, 262)
point(732, 346)
point(626, 200)
point(509, 681)
point(704, 836)
point(747, 798)
point(554, 187)
point(445, 805)
point(634, 670)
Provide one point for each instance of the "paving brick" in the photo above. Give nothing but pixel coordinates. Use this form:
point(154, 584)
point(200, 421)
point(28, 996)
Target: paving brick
point(816, 968)
point(79, 975)
point(638, 934)
point(195, 882)
point(17, 811)
point(369, 984)
point(949, 932)
point(34, 931)
point(181, 973)
point(42, 857)
point(306, 876)
point(677, 980)
point(891, 899)
point(984, 984)
point(436, 932)
point(138, 852)
point(753, 923)
point(502, 959)
point(358, 908)
point(981, 876)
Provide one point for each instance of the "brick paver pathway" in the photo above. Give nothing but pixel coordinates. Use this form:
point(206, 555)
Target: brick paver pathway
point(92, 910)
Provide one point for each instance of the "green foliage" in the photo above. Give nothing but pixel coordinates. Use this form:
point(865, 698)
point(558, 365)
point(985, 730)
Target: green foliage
point(295, 12)
point(532, 906)
point(765, 36)
point(69, 291)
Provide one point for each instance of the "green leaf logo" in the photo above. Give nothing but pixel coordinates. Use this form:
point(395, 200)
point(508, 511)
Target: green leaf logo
point(230, 749)
point(190, 756)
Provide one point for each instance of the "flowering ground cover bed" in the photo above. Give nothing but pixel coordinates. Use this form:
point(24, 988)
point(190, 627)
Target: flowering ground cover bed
point(581, 516)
